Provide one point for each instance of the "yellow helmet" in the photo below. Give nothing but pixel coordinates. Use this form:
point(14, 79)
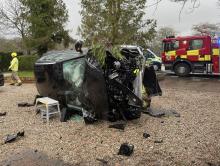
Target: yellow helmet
point(13, 54)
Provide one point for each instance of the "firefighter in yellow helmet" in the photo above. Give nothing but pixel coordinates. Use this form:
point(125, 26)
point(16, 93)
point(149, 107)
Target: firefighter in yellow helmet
point(14, 68)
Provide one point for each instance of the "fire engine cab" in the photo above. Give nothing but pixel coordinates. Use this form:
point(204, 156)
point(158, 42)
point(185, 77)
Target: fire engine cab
point(191, 54)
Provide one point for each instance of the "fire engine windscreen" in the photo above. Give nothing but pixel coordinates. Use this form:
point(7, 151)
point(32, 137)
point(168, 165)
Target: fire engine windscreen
point(171, 45)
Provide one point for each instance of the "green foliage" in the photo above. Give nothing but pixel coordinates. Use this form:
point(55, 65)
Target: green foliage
point(46, 19)
point(116, 21)
point(26, 62)
point(26, 73)
point(116, 52)
point(99, 52)
point(5, 59)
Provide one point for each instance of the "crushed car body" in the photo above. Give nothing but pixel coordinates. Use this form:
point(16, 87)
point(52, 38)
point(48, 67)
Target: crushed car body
point(83, 86)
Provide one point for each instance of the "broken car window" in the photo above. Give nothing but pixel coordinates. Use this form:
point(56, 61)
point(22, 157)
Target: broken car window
point(73, 72)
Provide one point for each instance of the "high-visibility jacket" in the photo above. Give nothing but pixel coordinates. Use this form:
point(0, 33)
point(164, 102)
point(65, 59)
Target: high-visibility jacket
point(14, 64)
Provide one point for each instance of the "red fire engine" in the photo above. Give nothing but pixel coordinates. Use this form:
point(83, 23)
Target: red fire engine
point(191, 54)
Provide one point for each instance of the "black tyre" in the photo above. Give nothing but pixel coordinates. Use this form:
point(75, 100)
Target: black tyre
point(182, 69)
point(157, 66)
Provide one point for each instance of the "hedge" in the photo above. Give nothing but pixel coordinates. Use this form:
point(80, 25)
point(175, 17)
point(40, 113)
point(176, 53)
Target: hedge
point(26, 62)
point(5, 59)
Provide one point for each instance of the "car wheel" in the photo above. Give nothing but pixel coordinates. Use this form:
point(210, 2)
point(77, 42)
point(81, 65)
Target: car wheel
point(182, 69)
point(156, 67)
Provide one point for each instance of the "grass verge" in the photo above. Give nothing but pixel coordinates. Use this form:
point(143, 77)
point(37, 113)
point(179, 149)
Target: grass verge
point(26, 74)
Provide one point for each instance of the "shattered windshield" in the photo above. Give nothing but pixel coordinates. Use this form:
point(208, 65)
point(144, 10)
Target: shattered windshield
point(73, 72)
point(171, 46)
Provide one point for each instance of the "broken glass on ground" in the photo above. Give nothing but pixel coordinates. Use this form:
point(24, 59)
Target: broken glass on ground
point(76, 118)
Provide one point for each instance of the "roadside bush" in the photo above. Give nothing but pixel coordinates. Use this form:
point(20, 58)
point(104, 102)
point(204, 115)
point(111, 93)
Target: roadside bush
point(5, 59)
point(26, 62)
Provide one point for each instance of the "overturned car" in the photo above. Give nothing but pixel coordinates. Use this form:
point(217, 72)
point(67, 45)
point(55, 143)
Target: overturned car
point(82, 85)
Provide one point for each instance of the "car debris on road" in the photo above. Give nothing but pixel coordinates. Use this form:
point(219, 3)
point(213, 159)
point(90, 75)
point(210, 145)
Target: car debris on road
point(126, 149)
point(146, 135)
point(120, 126)
point(3, 113)
point(12, 137)
point(25, 104)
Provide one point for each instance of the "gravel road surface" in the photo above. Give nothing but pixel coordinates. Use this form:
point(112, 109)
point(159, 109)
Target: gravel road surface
point(191, 139)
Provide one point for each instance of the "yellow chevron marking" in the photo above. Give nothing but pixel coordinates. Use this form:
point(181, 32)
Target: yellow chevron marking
point(216, 51)
point(207, 57)
point(193, 52)
point(171, 53)
point(183, 56)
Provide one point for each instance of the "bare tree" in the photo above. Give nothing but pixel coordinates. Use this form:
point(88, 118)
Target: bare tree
point(194, 4)
point(12, 18)
point(10, 45)
point(206, 29)
point(163, 32)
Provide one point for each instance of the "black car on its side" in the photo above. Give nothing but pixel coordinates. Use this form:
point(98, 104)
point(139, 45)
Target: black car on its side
point(81, 85)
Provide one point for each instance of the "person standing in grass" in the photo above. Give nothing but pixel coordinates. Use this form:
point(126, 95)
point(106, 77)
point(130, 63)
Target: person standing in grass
point(14, 68)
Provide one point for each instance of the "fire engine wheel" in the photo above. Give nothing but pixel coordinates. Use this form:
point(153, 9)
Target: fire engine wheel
point(182, 69)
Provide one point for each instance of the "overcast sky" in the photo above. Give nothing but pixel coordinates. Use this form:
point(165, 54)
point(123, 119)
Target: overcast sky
point(166, 14)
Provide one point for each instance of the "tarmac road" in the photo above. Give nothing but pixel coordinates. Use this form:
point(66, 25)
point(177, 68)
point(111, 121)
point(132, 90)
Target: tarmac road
point(195, 82)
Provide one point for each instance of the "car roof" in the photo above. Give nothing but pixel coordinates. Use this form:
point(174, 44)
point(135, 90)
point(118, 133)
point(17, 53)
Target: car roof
point(53, 57)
